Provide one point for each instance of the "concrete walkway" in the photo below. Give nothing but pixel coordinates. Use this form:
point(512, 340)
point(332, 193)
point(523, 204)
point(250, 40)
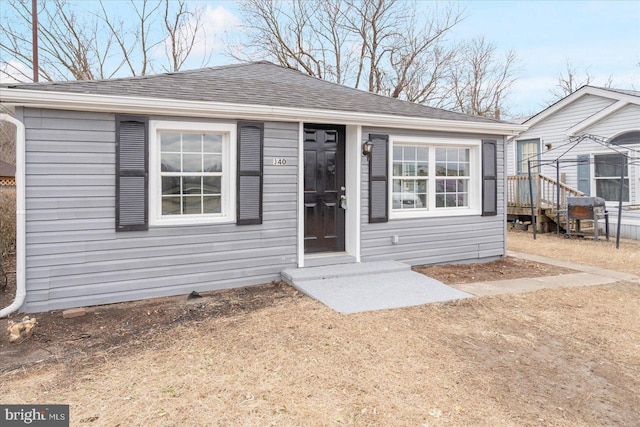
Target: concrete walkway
point(353, 288)
point(368, 286)
point(586, 276)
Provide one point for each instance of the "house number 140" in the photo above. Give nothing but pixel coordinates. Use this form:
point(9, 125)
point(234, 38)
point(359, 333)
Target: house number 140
point(279, 162)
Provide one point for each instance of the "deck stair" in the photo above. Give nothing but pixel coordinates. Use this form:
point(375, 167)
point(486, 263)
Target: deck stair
point(549, 215)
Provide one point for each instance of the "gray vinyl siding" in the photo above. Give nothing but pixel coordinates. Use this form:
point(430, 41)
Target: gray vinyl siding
point(74, 257)
point(435, 240)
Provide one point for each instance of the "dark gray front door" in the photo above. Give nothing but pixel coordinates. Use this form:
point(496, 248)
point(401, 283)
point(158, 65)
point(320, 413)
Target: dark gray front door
point(323, 188)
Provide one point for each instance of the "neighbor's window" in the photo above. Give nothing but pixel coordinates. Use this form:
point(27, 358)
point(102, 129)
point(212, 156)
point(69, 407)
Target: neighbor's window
point(194, 173)
point(608, 169)
point(430, 178)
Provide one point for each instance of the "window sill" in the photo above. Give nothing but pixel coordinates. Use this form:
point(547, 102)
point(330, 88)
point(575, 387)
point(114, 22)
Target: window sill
point(434, 214)
point(183, 222)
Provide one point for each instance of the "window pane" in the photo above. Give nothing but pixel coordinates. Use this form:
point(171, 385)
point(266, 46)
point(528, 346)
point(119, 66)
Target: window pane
point(191, 185)
point(423, 169)
point(409, 169)
point(608, 165)
point(192, 163)
point(213, 163)
point(170, 185)
point(397, 185)
point(191, 143)
point(440, 201)
point(397, 153)
point(170, 142)
point(191, 205)
point(170, 162)
point(211, 184)
point(212, 205)
point(423, 154)
point(409, 153)
point(441, 154)
point(441, 169)
point(609, 189)
point(464, 169)
point(212, 143)
point(171, 205)
point(397, 169)
point(452, 154)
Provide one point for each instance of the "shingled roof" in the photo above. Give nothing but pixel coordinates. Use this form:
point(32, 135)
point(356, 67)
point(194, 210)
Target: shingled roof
point(259, 83)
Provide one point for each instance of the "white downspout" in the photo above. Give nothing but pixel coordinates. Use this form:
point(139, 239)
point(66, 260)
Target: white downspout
point(21, 291)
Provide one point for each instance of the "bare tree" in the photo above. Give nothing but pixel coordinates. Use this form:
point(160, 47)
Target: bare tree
point(480, 81)
point(571, 80)
point(183, 26)
point(384, 46)
point(101, 44)
point(66, 41)
point(306, 35)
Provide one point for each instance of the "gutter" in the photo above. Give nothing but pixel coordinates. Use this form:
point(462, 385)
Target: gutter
point(21, 291)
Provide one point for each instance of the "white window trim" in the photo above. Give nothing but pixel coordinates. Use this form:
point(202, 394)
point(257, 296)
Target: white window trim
point(228, 202)
point(475, 174)
point(592, 174)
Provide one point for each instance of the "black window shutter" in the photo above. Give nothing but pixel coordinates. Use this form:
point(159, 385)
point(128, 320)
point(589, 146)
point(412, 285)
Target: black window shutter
point(489, 177)
point(249, 186)
point(378, 177)
point(132, 173)
point(584, 173)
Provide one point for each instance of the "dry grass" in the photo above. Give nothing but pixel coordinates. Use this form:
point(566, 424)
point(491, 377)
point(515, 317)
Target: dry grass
point(582, 251)
point(556, 357)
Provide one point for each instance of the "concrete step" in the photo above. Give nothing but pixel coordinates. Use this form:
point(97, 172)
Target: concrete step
point(296, 275)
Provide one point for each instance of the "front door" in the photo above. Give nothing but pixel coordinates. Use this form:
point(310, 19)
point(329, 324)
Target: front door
point(324, 180)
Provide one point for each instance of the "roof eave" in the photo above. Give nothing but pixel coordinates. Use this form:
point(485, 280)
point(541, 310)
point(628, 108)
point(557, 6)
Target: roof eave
point(583, 91)
point(177, 107)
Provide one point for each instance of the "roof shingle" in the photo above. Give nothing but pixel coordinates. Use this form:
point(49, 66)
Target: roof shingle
point(261, 83)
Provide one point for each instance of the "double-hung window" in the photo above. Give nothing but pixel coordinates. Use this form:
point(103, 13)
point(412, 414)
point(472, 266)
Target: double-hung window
point(192, 172)
point(432, 177)
point(608, 169)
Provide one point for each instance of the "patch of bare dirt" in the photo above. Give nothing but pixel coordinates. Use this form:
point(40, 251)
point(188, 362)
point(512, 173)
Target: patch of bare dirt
point(503, 269)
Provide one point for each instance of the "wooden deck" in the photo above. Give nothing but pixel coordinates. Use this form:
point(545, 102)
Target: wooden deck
point(549, 200)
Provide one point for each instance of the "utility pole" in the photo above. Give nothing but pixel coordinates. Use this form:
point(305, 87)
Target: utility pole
point(34, 30)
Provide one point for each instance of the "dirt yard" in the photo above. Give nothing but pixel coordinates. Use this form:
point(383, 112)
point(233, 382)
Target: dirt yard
point(270, 356)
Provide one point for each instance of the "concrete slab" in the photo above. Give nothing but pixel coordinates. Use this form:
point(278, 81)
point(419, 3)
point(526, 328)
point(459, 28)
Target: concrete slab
point(368, 292)
point(342, 270)
point(588, 276)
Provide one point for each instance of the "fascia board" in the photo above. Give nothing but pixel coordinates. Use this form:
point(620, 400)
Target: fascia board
point(586, 90)
point(141, 105)
point(590, 121)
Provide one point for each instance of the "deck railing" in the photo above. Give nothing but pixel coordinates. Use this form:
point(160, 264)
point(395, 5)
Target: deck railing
point(545, 191)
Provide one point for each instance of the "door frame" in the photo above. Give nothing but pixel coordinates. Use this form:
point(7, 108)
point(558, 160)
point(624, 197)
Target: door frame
point(353, 169)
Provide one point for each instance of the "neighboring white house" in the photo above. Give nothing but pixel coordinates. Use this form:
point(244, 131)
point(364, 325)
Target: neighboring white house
point(592, 131)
